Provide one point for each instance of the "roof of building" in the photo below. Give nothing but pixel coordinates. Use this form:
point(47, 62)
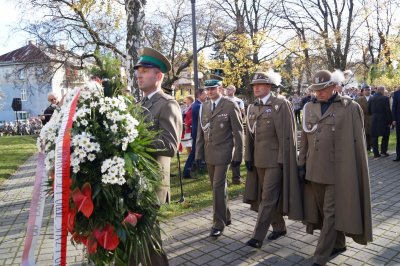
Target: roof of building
point(28, 53)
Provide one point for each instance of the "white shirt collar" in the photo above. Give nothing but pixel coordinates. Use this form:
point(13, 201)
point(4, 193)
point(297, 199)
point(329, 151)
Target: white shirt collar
point(216, 101)
point(151, 94)
point(265, 99)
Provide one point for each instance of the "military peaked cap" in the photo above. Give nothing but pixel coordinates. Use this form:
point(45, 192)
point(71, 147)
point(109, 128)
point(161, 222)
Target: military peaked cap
point(150, 57)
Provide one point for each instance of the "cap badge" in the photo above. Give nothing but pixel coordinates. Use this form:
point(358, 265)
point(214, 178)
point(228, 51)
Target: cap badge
point(316, 80)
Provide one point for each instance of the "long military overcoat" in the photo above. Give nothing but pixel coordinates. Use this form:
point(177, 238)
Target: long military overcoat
point(273, 144)
point(350, 168)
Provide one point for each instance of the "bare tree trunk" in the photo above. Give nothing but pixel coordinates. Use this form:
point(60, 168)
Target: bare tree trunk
point(135, 18)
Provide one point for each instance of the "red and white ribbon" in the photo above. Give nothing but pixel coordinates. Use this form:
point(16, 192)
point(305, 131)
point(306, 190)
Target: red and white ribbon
point(35, 214)
point(62, 184)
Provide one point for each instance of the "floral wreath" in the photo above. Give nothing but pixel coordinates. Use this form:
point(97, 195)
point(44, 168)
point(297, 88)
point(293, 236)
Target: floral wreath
point(113, 203)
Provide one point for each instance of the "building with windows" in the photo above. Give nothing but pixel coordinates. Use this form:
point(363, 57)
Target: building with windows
point(31, 72)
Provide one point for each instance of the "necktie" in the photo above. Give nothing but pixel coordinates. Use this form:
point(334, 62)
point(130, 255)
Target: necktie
point(145, 99)
point(213, 108)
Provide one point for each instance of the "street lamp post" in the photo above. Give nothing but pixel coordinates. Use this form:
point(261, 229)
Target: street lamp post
point(196, 75)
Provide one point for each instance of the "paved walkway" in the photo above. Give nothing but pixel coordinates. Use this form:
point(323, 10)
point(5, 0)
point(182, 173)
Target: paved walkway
point(186, 237)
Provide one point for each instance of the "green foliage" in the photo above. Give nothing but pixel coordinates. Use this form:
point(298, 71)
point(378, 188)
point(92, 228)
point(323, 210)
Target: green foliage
point(109, 70)
point(236, 58)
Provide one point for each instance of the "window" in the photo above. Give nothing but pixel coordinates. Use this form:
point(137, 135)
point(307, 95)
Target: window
point(22, 74)
point(23, 95)
point(39, 71)
point(22, 115)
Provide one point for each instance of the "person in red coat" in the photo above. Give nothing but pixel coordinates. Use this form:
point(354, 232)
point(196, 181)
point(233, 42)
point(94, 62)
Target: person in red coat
point(187, 124)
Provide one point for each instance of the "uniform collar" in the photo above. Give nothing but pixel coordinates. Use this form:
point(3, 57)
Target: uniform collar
point(151, 94)
point(265, 99)
point(216, 101)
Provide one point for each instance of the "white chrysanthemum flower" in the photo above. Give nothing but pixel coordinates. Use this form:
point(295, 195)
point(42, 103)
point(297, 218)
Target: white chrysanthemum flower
point(91, 157)
point(114, 128)
point(84, 122)
point(113, 171)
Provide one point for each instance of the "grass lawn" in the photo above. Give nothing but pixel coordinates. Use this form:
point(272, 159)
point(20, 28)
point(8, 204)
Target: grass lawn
point(197, 192)
point(14, 150)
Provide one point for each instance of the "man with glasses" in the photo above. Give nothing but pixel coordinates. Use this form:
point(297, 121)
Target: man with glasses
point(219, 143)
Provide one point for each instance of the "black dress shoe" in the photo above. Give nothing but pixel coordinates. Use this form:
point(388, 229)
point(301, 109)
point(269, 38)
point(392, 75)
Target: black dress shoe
point(396, 159)
point(254, 243)
point(377, 155)
point(276, 234)
point(316, 264)
point(336, 251)
point(385, 154)
point(215, 232)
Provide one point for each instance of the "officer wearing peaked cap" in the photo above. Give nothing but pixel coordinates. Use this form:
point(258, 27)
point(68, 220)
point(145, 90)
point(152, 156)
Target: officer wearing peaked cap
point(333, 161)
point(219, 143)
point(270, 157)
point(164, 113)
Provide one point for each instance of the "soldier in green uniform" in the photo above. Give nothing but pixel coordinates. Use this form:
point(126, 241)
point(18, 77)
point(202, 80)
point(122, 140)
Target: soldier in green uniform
point(219, 143)
point(164, 112)
point(333, 162)
point(270, 157)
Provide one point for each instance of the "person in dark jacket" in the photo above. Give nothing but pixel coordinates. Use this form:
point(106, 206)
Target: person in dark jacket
point(396, 120)
point(48, 112)
point(201, 96)
point(381, 120)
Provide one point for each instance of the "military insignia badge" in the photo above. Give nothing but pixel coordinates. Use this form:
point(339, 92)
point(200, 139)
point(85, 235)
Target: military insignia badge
point(345, 102)
point(268, 110)
point(221, 125)
point(316, 80)
point(276, 107)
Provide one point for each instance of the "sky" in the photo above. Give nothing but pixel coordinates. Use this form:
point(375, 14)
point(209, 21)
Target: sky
point(9, 17)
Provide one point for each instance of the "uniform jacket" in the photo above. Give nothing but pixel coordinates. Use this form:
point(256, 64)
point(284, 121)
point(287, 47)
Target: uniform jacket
point(195, 119)
point(362, 101)
point(164, 112)
point(348, 166)
point(396, 106)
point(381, 116)
point(271, 142)
point(220, 133)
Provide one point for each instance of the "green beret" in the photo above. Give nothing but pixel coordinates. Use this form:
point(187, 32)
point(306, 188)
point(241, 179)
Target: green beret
point(210, 83)
point(152, 58)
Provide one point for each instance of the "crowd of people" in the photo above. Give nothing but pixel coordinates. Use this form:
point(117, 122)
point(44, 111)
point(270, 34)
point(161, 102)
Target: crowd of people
point(325, 185)
point(323, 182)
